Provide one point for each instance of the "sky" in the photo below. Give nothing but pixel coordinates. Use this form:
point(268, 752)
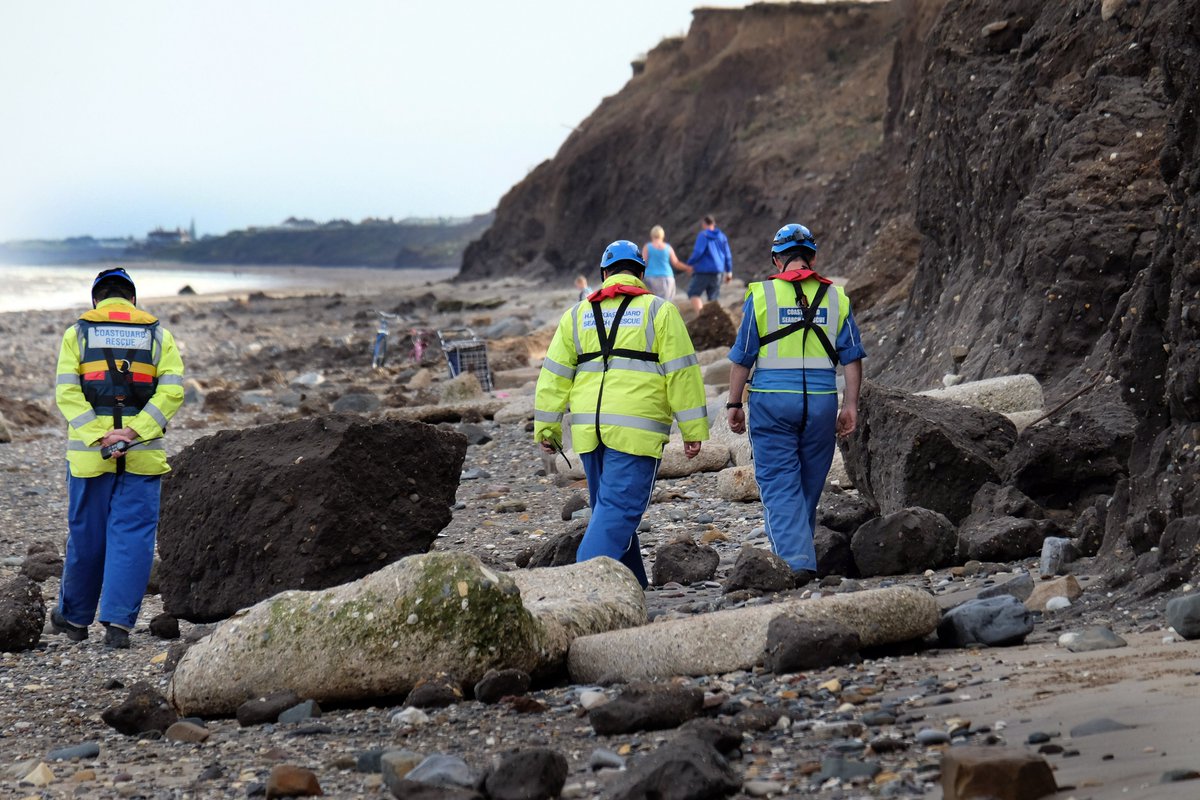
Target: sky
point(119, 117)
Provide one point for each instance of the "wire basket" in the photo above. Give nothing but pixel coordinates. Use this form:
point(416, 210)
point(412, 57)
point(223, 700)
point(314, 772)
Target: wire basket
point(465, 352)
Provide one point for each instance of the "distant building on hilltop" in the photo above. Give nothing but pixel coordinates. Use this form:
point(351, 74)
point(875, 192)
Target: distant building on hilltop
point(161, 237)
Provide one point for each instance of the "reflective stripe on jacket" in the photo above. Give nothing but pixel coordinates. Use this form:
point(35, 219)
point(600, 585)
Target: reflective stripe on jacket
point(640, 397)
point(776, 305)
point(86, 374)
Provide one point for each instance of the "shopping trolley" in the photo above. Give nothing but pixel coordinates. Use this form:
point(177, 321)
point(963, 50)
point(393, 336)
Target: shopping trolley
point(466, 352)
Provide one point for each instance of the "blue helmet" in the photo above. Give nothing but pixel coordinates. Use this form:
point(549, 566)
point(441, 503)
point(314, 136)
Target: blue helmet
point(792, 236)
point(118, 275)
point(622, 250)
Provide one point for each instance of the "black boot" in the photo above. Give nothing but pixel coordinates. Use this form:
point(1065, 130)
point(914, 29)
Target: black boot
point(76, 633)
point(114, 637)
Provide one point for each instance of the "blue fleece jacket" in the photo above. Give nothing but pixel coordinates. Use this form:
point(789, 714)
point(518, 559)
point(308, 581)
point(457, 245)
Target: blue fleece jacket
point(711, 253)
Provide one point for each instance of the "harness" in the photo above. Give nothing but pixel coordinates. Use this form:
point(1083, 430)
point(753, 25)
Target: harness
point(809, 313)
point(608, 337)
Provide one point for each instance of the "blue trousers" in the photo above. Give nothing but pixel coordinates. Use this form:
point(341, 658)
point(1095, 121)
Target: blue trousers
point(620, 485)
point(112, 520)
point(791, 466)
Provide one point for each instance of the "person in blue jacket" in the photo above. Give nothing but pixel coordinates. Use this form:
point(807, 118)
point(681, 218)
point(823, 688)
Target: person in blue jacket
point(711, 262)
point(797, 327)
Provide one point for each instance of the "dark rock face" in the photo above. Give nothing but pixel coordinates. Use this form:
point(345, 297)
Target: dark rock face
point(647, 707)
point(299, 505)
point(533, 774)
point(143, 710)
point(843, 511)
point(22, 614)
point(684, 769)
point(1001, 539)
point(500, 683)
point(834, 554)
point(559, 550)
point(712, 327)
point(684, 562)
point(994, 621)
point(910, 540)
point(793, 646)
point(761, 570)
point(910, 450)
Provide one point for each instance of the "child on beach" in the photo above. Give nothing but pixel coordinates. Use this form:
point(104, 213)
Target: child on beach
point(581, 283)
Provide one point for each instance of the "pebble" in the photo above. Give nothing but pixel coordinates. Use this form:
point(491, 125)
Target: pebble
point(762, 788)
point(1096, 638)
point(1037, 737)
point(413, 717)
point(605, 759)
point(1178, 775)
point(930, 736)
point(590, 699)
point(184, 731)
point(309, 709)
point(1100, 725)
point(288, 781)
point(443, 770)
point(1057, 603)
point(85, 750)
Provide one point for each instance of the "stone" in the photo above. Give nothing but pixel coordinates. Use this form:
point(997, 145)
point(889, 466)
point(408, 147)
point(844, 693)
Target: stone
point(1057, 603)
point(536, 773)
point(308, 379)
point(994, 621)
point(164, 626)
point(1019, 586)
point(1001, 539)
point(737, 484)
point(1183, 614)
point(411, 790)
point(1007, 394)
point(222, 401)
point(757, 719)
point(995, 772)
point(577, 501)
point(262, 710)
point(647, 707)
point(438, 691)
point(443, 770)
point(40, 775)
point(301, 712)
point(1057, 553)
point(845, 769)
point(249, 513)
point(356, 403)
point(712, 327)
point(911, 451)
point(683, 562)
point(930, 736)
point(558, 550)
point(184, 731)
point(1098, 725)
point(143, 710)
point(761, 570)
point(463, 387)
point(1179, 775)
point(1067, 587)
point(717, 373)
point(905, 541)
point(734, 639)
point(759, 788)
point(288, 781)
point(22, 614)
point(395, 765)
point(515, 378)
point(377, 636)
point(498, 683)
point(843, 511)
point(713, 457)
point(1110, 8)
point(80, 751)
point(793, 646)
point(605, 759)
point(42, 562)
point(1095, 638)
point(834, 553)
point(686, 768)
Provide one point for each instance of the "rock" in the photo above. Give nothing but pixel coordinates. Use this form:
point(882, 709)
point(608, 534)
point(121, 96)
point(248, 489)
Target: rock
point(262, 710)
point(1066, 587)
point(834, 553)
point(515, 378)
point(42, 562)
point(1183, 614)
point(410, 717)
point(498, 683)
point(288, 781)
point(647, 707)
point(605, 759)
point(5, 431)
point(80, 751)
point(995, 772)
point(1002, 539)
point(463, 387)
point(1057, 604)
point(164, 626)
point(793, 646)
point(734, 639)
point(436, 692)
point(533, 774)
point(1004, 395)
point(712, 457)
point(994, 621)
point(843, 511)
point(1095, 638)
point(249, 513)
point(684, 562)
point(758, 788)
point(1110, 8)
point(143, 710)
point(356, 403)
point(761, 570)
point(845, 769)
point(916, 451)
point(684, 769)
point(395, 765)
point(443, 770)
point(376, 637)
point(1179, 775)
point(1019, 586)
point(929, 737)
point(717, 373)
point(40, 775)
point(576, 501)
point(1098, 725)
point(22, 614)
point(993, 28)
point(712, 327)
point(1057, 553)
point(509, 326)
point(905, 541)
point(558, 550)
point(190, 732)
point(301, 712)
point(737, 484)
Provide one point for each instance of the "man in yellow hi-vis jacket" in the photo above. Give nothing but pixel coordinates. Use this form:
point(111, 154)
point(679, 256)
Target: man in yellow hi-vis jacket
point(120, 380)
point(623, 362)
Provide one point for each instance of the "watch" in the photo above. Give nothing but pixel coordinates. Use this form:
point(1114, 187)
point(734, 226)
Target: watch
point(733, 405)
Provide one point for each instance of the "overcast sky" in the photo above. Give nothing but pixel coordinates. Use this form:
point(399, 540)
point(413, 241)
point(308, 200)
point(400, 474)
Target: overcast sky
point(119, 117)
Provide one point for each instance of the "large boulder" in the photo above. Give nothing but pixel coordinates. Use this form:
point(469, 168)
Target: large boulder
point(712, 457)
point(22, 614)
point(299, 505)
point(910, 450)
point(910, 540)
point(1009, 394)
point(711, 328)
point(737, 484)
point(377, 636)
point(1002, 539)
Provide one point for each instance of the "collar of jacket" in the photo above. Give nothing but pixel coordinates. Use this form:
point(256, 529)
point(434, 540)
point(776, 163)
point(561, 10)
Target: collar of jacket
point(796, 275)
point(609, 289)
point(116, 309)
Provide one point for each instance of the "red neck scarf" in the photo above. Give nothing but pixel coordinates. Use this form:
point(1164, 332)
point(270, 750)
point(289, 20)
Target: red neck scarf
point(609, 292)
point(797, 275)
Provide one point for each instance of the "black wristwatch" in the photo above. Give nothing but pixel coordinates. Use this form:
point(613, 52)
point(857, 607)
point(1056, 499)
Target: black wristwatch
point(733, 405)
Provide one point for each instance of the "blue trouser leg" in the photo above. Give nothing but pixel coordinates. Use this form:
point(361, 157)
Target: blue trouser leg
point(132, 524)
point(87, 534)
point(619, 485)
point(790, 467)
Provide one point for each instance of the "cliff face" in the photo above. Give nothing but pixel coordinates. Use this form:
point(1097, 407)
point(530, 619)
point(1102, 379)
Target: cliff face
point(758, 116)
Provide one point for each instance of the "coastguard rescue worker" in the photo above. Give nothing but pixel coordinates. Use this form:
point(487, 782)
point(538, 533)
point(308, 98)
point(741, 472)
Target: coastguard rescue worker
point(120, 380)
point(796, 328)
point(623, 362)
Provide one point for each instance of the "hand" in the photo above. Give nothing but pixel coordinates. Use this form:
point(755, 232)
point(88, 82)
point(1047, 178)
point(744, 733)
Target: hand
point(120, 435)
point(691, 449)
point(729, 277)
point(737, 420)
point(847, 421)
point(548, 448)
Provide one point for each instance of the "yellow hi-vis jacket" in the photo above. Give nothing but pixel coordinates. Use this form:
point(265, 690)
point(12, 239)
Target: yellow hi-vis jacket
point(777, 305)
point(630, 405)
point(155, 371)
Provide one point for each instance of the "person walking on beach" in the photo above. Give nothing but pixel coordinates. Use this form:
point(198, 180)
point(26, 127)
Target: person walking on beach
point(796, 328)
point(119, 382)
point(711, 262)
point(661, 264)
point(623, 362)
